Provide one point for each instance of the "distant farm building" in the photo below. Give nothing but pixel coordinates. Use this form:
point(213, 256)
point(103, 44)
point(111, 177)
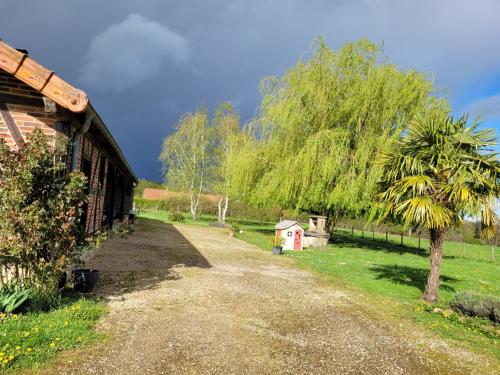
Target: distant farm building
point(164, 194)
point(33, 97)
point(292, 233)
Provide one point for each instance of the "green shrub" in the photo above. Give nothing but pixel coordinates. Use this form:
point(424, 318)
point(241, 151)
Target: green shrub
point(235, 225)
point(175, 216)
point(15, 298)
point(40, 300)
point(142, 204)
point(474, 304)
point(41, 206)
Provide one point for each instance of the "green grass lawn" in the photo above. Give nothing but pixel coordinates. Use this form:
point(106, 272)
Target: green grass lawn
point(394, 276)
point(30, 340)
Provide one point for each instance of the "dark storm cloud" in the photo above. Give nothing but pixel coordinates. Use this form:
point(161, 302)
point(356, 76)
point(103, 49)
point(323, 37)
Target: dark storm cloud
point(127, 54)
point(145, 62)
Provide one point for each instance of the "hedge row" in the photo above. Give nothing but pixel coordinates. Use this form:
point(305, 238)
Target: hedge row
point(237, 210)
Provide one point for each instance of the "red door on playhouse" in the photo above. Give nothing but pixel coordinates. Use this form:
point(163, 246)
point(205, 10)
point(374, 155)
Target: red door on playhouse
point(297, 239)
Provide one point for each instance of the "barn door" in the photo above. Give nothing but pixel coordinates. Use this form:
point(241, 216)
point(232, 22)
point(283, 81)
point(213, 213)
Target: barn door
point(297, 240)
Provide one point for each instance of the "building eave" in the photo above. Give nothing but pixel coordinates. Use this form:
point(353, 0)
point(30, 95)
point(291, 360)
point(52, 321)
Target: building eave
point(107, 135)
point(45, 81)
point(27, 70)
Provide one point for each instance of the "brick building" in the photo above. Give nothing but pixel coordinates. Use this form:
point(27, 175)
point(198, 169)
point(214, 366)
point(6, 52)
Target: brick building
point(33, 97)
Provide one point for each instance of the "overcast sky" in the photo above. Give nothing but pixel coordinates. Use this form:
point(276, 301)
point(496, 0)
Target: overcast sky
point(143, 63)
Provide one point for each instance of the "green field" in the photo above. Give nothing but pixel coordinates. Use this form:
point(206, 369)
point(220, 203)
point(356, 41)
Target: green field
point(394, 276)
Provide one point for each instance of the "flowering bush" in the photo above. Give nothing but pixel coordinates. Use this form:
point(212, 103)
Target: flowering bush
point(40, 206)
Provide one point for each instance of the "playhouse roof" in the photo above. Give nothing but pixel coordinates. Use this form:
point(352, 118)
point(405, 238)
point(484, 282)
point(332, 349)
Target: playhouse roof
point(284, 224)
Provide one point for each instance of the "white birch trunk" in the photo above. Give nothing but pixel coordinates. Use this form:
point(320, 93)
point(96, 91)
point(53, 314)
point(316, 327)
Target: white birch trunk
point(192, 206)
point(219, 207)
point(224, 212)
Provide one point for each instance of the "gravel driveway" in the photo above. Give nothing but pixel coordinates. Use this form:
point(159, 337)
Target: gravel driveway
point(192, 300)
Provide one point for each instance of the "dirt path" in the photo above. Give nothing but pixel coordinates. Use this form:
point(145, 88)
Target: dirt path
point(191, 300)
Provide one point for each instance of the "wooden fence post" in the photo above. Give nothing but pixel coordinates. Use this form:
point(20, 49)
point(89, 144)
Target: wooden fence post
point(386, 236)
point(401, 238)
point(352, 229)
point(419, 235)
point(463, 247)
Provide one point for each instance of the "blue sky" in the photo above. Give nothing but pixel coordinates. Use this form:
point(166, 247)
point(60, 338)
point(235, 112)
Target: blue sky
point(143, 63)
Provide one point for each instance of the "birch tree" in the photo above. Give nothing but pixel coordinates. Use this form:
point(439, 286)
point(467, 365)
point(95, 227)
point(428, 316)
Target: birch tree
point(226, 125)
point(185, 156)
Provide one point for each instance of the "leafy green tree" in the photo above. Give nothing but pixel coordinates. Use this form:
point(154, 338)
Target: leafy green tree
point(41, 206)
point(226, 124)
point(186, 156)
point(439, 172)
point(324, 124)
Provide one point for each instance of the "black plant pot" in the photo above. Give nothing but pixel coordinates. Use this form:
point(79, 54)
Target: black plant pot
point(62, 281)
point(277, 250)
point(85, 280)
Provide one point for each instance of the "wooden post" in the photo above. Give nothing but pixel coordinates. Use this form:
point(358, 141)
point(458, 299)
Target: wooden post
point(362, 233)
point(352, 229)
point(401, 238)
point(386, 236)
point(419, 235)
point(373, 233)
point(492, 253)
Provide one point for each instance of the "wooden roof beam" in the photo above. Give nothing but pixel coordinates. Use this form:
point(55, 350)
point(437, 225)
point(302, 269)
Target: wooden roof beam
point(35, 75)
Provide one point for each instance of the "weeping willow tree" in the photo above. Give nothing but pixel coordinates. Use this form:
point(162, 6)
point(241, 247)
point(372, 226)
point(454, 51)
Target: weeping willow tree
point(324, 123)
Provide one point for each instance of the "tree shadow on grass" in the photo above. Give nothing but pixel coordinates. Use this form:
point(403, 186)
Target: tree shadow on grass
point(410, 276)
point(345, 239)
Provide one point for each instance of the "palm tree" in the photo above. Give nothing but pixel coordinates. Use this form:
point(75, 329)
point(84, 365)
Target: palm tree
point(441, 171)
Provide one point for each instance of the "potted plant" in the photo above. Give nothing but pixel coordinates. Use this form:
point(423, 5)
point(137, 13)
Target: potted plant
point(85, 279)
point(278, 243)
point(235, 228)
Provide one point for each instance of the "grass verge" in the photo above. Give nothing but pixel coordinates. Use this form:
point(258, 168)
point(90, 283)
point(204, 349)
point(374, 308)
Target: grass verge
point(33, 339)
